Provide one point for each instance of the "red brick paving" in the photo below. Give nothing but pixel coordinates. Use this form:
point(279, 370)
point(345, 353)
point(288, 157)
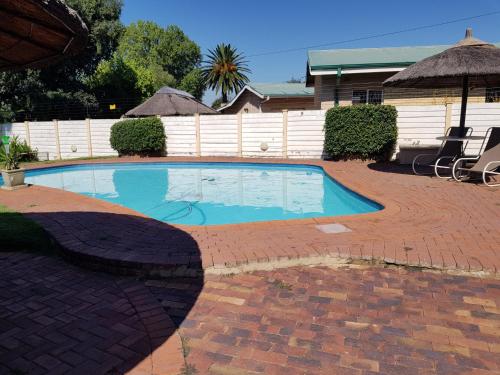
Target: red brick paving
point(361, 320)
point(58, 319)
point(426, 222)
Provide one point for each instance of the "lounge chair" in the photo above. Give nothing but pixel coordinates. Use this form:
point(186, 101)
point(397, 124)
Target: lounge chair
point(485, 165)
point(448, 152)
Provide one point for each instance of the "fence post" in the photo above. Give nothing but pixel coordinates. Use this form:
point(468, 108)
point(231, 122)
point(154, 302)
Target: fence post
point(27, 131)
point(449, 110)
point(198, 137)
point(240, 134)
point(285, 134)
point(89, 137)
point(58, 144)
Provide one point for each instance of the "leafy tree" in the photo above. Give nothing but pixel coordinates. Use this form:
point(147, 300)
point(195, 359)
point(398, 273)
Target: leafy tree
point(102, 17)
point(225, 70)
point(114, 79)
point(193, 83)
point(179, 53)
point(19, 93)
point(151, 78)
point(294, 80)
point(146, 43)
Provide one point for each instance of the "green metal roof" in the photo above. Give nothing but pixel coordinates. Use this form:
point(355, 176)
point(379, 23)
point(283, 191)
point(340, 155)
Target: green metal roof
point(371, 57)
point(282, 89)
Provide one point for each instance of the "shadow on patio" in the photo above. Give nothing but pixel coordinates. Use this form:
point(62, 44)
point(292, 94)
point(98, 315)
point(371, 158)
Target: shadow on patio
point(393, 167)
point(58, 317)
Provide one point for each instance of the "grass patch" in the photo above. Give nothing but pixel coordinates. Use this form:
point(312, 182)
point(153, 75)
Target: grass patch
point(18, 233)
point(280, 284)
point(189, 369)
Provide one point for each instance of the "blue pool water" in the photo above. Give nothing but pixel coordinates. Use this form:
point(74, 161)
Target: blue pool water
point(210, 193)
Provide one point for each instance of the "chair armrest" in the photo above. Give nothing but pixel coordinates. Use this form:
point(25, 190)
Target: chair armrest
point(444, 158)
point(493, 162)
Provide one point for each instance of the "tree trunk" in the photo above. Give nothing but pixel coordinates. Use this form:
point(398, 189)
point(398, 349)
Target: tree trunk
point(224, 98)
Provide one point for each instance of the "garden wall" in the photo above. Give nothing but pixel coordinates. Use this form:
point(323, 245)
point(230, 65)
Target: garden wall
point(291, 134)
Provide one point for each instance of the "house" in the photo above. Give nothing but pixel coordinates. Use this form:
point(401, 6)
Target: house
point(355, 76)
point(271, 97)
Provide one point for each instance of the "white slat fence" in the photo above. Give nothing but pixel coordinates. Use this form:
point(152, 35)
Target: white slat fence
point(291, 134)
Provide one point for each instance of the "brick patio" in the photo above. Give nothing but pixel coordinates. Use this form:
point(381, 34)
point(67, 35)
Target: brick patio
point(426, 222)
point(58, 319)
point(352, 320)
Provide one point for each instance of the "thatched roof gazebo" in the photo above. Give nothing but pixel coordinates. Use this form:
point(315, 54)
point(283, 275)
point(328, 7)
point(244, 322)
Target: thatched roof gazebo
point(469, 63)
point(37, 33)
point(168, 101)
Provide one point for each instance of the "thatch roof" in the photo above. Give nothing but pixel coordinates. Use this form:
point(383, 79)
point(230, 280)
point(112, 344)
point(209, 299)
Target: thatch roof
point(469, 57)
point(36, 33)
point(170, 102)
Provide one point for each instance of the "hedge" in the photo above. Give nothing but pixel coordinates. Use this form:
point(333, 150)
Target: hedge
point(361, 132)
point(145, 137)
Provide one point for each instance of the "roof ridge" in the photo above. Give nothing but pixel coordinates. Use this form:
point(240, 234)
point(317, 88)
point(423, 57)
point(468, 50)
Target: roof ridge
point(388, 47)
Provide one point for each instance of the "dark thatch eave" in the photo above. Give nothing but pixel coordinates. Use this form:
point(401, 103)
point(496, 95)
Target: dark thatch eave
point(170, 102)
point(471, 57)
point(37, 33)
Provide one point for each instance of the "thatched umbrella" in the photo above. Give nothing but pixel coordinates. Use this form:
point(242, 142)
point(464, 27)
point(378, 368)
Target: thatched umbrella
point(170, 102)
point(469, 63)
point(37, 33)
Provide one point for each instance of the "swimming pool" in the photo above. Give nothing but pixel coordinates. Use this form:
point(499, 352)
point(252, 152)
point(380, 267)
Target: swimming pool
point(210, 193)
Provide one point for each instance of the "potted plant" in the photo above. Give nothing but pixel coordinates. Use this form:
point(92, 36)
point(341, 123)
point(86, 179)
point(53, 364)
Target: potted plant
point(12, 174)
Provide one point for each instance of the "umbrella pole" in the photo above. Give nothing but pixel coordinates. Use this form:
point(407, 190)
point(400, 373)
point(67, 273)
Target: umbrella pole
point(463, 110)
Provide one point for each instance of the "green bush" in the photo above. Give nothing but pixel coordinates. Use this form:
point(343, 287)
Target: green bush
point(361, 131)
point(145, 137)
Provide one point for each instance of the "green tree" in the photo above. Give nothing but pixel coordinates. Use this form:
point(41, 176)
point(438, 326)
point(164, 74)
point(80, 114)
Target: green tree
point(146, 43)
point(193, 83)
point(224, 71)
point(19, 93)
point(102, 17)
point(114, 78)
point(151, 78)
point(126, 82)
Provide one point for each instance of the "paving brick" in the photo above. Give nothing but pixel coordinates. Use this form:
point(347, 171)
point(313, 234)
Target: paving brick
point(74, 335)
point(409, 231)
point(348, 339)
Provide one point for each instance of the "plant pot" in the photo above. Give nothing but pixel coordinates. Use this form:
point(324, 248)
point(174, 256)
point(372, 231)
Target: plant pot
point(13, 179)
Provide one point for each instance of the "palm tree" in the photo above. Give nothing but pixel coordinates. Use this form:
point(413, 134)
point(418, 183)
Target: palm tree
point(225, 70)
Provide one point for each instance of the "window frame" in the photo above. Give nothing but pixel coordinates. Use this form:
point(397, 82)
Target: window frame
point(367, 93)
point(496, 91)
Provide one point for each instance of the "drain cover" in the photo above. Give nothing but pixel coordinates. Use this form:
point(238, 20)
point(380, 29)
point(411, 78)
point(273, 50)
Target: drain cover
point(333, 228)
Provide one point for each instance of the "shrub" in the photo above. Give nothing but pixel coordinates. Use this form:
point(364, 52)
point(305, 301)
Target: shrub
point(361, 131)
point(144, 137)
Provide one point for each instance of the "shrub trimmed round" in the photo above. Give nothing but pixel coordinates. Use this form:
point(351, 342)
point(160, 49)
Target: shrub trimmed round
point(361, 132)
point(144, 136)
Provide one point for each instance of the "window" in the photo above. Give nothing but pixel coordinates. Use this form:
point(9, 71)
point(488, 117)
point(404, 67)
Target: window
point(493, 95)
point(375, 96)
point(367, 96)
point(359, 97)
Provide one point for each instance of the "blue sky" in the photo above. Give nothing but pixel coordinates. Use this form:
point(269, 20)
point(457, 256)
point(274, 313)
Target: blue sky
point(259, 26)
